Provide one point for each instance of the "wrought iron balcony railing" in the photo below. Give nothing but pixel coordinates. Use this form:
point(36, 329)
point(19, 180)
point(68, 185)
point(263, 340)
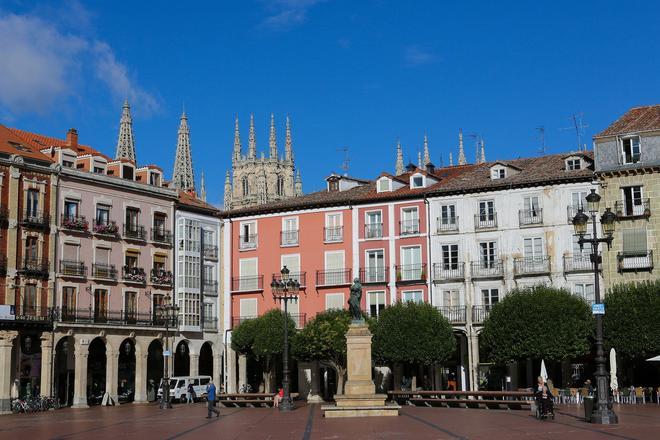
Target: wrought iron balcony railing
point(572, 210)
point(480, 313)
point(333, 234)
point(247, 283)
point(487, 268)
point(300, 276)
point(374, 275)
point(578, 263)
point(247, 241)
point(485, 221)
point(162, 236)
point(633, 209)
point(531, 265)
point(300, 319)
point(210, 324)
point(409, 227)
point(35, 267)
point(35, 219)
point(210, 287)
point(447, 224)
point(454, 314)
point(333, 277)
point(210, 252)
point(411, 273)
point(133, 275)
point(73, 268)
point(32, 313)
point(635, 262)
point(448, 271)
point(162, 277)
point(289, 238)
point(135, 232)
point(104, 271)
point(114, 317)
point(74, 223)
point(238, 320)
point(373, 230)
point(109, 228)
point(527, 217)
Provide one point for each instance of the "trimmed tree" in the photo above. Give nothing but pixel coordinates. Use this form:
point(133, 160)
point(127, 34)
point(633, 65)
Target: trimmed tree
point(413, 333)
point(539, 322)
point(631, 323)
point(324, 339)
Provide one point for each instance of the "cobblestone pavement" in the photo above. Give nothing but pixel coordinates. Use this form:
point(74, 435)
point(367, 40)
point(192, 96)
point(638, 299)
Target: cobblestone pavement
point(189, 422)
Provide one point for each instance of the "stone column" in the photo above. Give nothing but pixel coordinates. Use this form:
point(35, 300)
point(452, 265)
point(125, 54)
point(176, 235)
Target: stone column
point(6, 345)
point(140, 377)
point(80, 382)
point(473, 360)
point(111, 372)
point(242, 370)
point(194, 364)
point(217, 371)
point(315, 383)
point(46, 365)
point(231, 371)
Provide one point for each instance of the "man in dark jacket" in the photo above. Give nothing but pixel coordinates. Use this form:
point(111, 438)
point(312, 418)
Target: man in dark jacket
point(210, 400)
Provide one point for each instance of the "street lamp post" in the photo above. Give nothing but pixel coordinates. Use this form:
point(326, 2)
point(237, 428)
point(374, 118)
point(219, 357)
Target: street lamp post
point(169, 312)
point(285, 290)
point(603, 412)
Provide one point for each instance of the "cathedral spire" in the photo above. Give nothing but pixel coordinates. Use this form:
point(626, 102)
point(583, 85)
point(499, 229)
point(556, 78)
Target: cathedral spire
point(451, 160)
point(419, 160)
point(183, 177)
point(227, 204)
point(288, 144)
point(202, 191)
point(298, 185)
point(273, 138)
point(126, 142)
point(427, 156)
point(482, 154)
point(252, 140)
point(399, 158)
point(461, 151)
point(237, 143)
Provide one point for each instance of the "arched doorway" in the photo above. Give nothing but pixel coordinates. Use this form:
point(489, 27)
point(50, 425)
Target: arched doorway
point(126, 371)
point(206, 360)
point(155, 368)
point(182, 359)
point(64, 371)
point(29, 359)
point(96, 363)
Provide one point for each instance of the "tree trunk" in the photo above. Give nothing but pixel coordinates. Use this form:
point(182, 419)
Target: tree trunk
point(341, 373)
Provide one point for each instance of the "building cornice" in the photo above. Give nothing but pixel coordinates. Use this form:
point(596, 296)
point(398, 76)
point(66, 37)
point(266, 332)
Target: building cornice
point(120, 183)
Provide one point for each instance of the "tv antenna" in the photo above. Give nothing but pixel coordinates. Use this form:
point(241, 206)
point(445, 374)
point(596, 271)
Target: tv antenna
point(541, 131)
point(579, 127)
point(345, 163)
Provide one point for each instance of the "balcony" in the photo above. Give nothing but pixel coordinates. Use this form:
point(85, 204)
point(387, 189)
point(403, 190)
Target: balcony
point(107, 228)
point(72, 268)
point(104, 271)
point(161, 236)
point(447, 224)
point(334, 234)
point(135, 275)
point(333, 277)
point(162, 277)
point(411, 274)
point(210, 252)
point(77, 223)
point(530, 217)
point(443, 272)
point(238, 320)
point(35, 219)
point(300, 319)
point(134, 232)
point(635, 262)
point(112, 317)
point(454, 314)
point(578, 263)
point(485, 221)
point(487, 268)
point(374, 275)
point(529, 266)
point(247, 242)
point(409, 227)
point(247, 284)
point(32, 314)
point(210, 324)
point(571, 210)
point(480, 313)
point(289, 238)
point(210, 287)
point(373, 230)
point(640, 208)
point(34, 267)
point(301, 277)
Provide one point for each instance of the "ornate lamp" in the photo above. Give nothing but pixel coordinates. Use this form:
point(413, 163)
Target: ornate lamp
point(580, 223)
point(593, 200)
point(608, 221)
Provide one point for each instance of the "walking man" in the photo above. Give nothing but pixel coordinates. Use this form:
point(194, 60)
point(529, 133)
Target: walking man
point(210, 400)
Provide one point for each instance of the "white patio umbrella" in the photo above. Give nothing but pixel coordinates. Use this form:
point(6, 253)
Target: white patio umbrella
point(654, 359)
point(614, 383)
point(544, 372)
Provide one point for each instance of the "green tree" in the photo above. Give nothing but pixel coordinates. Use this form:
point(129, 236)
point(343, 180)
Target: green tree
point(539, 322)
point(631, 323)
point(242, 337)
point(413, 333)
point(324, 339)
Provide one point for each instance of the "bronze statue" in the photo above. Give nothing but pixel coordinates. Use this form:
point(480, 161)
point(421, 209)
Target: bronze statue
point(354, 300)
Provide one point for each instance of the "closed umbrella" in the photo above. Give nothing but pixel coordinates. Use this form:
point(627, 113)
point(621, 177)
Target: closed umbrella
point(654, 359)
point(614, 383)
point(544, 372)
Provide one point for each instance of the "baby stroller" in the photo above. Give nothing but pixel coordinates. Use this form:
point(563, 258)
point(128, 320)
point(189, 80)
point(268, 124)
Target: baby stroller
point(545, 407)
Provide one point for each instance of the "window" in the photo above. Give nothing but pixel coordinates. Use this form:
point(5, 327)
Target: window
point(157, 303)
point(31, 249)
point(374, 225)
point(412, 296)
point(630, 150)
point(579, 200)
point(32, 208)
point(334, 301)
point(383, 184)
point(130, 306)
point(248, 238)
point(246, 186)
point(154, 179)
point(333, 185)
point(248, 274)
point(292, 262)
point(418, 182)
point(449, 256)
point(334, 268)
point(68, 302)
point(127, 172)
point(248, 308)
point(100, 305)
point(586, 249)
point(99, 170)
point(573, 164)
point(533, 248)
point(30, 299)
point(69, 258)
point(70, 210)
point(488, 254)
point(209, 313)
point(375, 267)
point(451, 298)
point(411, 264)
point(490, 297)
point(409, 221)
point(290, 231)
point(585, 291)
point(159, 263)
point(280, 186)
point(376, 303)
point(486, 211)
point(634, 242)
point(531, 206)
point(333, 227)
point(633, 204)
point(131, 259)
point(447, 215)
point(102, 215)
point(132, 215)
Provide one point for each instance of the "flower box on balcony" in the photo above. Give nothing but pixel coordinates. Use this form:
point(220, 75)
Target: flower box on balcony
point(75, 223)
point(106, 228)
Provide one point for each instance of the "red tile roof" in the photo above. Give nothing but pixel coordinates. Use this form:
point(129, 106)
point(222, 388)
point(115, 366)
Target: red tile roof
point(634, 120)
point(11, 143)
point(40, 141)
point(192, 201)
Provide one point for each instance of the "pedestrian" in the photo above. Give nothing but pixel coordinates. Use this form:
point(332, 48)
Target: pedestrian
point(278, 397)
point(191, 393)
point(210, 400)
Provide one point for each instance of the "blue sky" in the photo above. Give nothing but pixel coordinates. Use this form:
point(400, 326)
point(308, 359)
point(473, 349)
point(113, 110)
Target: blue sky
point(356, 74)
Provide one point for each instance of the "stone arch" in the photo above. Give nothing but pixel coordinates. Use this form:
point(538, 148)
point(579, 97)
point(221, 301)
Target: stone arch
point(126, 363)
point(181, 355)
point(206, 359)
point(98, 353)
point(155, 367)
point(64, 370)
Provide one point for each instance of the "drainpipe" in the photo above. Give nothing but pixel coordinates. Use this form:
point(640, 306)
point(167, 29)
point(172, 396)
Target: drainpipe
point(54, 294)
point(429, 250)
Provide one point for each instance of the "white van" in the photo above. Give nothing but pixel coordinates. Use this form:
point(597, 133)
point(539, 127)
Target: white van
point(179, 387)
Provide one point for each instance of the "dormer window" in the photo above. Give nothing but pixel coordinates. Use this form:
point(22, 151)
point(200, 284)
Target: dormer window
point(573, 164)
point(631, 150)
point(498, 173)
point(127, 172)
point(417, 181)
point(384, 184)
point(154, 179)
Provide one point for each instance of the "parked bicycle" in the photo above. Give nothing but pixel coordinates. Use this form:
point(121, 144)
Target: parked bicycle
point(246, 388)
point(33, 404)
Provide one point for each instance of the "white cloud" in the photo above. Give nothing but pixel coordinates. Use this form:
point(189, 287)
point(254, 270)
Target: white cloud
point(415, 55)
point(44, 66)
point(284, 14)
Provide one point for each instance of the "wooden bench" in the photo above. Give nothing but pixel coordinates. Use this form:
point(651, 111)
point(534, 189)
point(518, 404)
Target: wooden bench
point(465, 399)
point(249, 400)
point(471, 403)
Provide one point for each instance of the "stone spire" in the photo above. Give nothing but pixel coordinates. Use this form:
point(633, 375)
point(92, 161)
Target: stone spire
point(482, 153)
point(399, 158)
point(419, 160)
point(451, 160)
point(298, 184)
point(273, 138)
point(227, 203)
point(202, 191)
point(183, 176)
point(288, 144)
point(461, 151)
point(126, 142)
point(237, 143)
point(427, 156)
point(252, 140)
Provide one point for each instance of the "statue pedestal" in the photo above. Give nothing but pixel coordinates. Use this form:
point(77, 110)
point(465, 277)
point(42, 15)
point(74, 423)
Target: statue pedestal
point(359, 398)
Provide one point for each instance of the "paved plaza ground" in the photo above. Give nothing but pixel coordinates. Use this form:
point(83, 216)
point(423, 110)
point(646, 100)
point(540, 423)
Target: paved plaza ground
point(189, 422)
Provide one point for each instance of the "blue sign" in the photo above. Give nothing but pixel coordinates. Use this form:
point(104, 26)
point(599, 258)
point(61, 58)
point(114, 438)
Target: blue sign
point(167, 353)
point(598, 309)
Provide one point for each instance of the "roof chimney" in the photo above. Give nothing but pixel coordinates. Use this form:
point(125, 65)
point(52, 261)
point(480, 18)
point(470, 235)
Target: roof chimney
point(72, 138)
point(430, 168)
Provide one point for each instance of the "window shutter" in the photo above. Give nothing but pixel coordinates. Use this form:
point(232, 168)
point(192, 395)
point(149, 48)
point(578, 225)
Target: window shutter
point(334, 261)
point(634, 241)
point(102, 256)
point(248, 268)
point(70, 252)
point(334, 301)
point(292, 262)
point(248, 307)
